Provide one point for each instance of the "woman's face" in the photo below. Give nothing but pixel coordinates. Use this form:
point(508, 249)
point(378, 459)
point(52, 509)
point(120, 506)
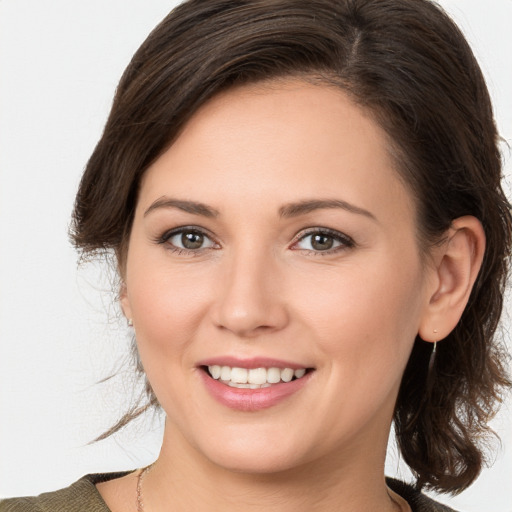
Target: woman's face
point(274, 233)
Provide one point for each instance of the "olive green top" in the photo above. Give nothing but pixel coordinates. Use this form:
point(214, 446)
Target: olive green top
point(83, 496)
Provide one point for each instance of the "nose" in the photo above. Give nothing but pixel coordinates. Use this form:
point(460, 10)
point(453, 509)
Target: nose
point(250, 301)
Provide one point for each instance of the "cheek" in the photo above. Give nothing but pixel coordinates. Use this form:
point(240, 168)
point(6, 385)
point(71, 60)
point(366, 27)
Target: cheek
point(167, 305)
point(163, 308)
point(365, 311)
point(364, 321)
point(167, 313)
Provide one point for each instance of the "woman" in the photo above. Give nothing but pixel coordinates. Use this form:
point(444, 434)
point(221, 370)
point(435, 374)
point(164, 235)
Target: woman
point(305, 206)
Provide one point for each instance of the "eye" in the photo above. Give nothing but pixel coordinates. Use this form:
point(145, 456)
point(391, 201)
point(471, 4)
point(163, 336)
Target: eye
point(323, 240)
point(188, 240)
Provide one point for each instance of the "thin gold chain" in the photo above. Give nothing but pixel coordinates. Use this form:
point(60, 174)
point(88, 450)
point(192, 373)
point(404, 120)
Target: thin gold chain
point(143, 471)
point(140, 504)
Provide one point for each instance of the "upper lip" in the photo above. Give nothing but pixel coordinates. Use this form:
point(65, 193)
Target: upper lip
point(252, 362)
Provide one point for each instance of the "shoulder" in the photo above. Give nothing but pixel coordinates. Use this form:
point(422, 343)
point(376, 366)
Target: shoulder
point(80, 496)
point(418, 501)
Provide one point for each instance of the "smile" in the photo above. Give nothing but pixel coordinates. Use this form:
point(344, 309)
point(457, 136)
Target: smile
point(253, 385)
point(254, 378)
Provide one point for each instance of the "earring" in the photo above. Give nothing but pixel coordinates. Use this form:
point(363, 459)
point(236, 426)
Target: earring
point(129, 322)
point(432, 357)
point(430, 373)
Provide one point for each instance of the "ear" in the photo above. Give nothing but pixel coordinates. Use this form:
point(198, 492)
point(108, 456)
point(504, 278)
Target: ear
point(125, 303)
point(456, 265)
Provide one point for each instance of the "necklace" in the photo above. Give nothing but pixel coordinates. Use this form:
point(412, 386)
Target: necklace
point(402, 505)
point(143, 471)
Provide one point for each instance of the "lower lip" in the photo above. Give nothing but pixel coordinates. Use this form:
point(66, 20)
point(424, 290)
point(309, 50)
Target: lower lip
point(242, 399)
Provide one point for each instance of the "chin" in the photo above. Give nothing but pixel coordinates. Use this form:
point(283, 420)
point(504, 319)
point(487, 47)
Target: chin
point(243, 455)
point(261, 465)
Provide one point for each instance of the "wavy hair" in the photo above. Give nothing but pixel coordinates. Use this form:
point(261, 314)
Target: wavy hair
point(408, 65)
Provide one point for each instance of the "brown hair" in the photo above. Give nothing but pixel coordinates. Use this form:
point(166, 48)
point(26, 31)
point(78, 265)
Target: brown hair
point(407, 64)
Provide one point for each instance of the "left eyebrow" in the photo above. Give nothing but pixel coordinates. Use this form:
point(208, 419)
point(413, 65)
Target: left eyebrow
point(192, 207)
point(307, 206)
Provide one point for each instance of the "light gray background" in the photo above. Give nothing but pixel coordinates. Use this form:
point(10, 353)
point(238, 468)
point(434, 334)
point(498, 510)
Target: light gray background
point(60, 330)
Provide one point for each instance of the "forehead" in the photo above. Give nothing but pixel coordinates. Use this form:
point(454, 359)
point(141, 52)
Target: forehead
point(279, 140)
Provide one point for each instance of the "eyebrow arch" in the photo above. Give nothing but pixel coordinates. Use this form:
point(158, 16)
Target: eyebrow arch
point(192, 207)
point(307, 206)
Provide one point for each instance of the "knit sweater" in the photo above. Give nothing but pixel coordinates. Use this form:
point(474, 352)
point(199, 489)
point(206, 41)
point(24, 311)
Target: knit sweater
point(83, 496)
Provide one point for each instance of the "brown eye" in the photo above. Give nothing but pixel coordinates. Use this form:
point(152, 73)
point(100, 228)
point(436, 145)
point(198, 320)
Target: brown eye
point(322, 242)
point(188, 240)
point(192, 240)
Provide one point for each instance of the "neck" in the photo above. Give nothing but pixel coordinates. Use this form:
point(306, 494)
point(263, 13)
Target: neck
point(182, 480)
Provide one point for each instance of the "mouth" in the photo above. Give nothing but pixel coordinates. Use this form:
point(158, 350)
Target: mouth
point(254, 378)
point(253, 384)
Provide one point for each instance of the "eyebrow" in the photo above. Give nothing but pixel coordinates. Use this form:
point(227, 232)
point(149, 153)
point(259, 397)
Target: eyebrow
point(286, 211)
point(307, 206)
point(192, 207)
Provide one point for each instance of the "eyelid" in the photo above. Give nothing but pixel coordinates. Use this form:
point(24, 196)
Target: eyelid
point(346, 241)
point(168, 234)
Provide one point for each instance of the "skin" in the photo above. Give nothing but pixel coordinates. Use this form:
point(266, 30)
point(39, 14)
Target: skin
point(258, 288)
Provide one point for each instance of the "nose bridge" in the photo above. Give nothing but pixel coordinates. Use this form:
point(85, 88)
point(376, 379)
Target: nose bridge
point(248, 302)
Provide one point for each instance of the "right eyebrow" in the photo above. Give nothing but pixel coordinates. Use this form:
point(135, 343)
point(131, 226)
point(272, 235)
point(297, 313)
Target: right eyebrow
point(307, 206)
point(192, 207)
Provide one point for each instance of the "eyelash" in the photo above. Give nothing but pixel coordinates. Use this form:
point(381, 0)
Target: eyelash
point(166, 237)
point(345, 242)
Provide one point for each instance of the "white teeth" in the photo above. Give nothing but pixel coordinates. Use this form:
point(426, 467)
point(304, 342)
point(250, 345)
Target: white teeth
point(239, 375)
point(247, 386)
point(273, 375)
point(257, 376)
point(237, 385)
point(214, 371)
point(253, 378)
point(286, 374)
point(225, 373)
point(299, 373)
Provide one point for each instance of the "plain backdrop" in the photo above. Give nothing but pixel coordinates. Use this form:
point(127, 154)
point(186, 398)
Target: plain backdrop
point(60, 329)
